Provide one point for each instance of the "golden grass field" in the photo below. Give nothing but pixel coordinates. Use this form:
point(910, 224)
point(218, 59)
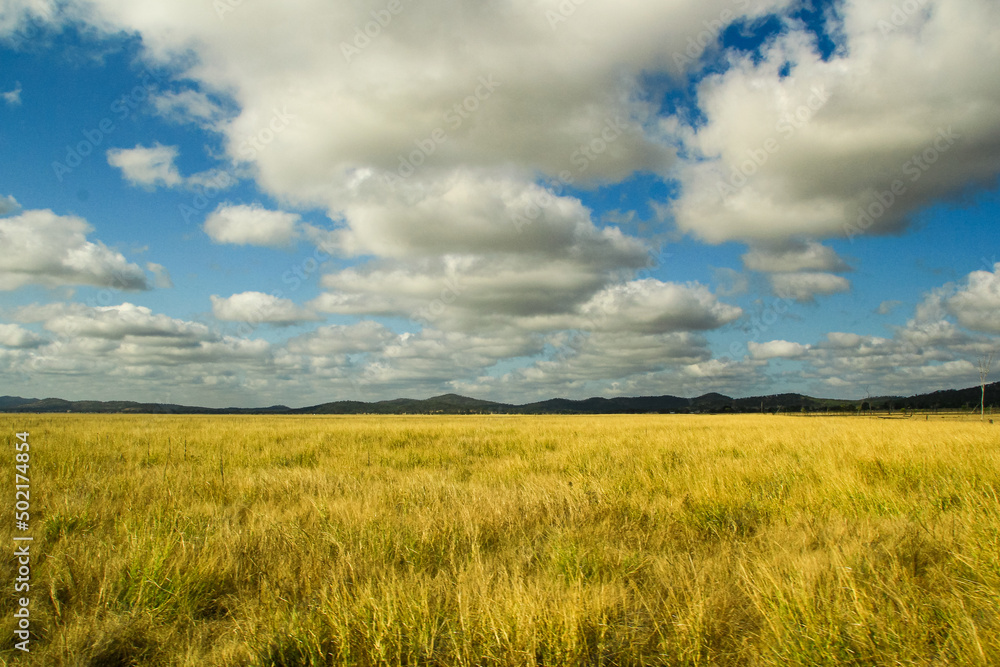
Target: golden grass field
point(624, 540)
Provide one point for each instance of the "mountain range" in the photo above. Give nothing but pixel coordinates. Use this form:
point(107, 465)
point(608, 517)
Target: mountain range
point(950, 399)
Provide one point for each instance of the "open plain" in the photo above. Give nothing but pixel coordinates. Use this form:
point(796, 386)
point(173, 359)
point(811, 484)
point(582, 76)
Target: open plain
point(505, 540)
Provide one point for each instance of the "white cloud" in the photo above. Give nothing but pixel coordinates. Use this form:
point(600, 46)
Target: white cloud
point(43, 248)
point(777, 349)
point(934, 335)
point(650, 307)
point(886, 307)
point(522, 99)
point(812, 153)
point(161, 277)
point(113, 323)
point(469, 265)
point(148, 166)
point(805, 286)
point(338, 339)
point(465, 293)
point(730, 282)
point(793, 257)
point(131, 336)
point(470, 212)
point(928, 352)
point(251, 225)
point(188, 106)
point(257, 308)
point(574, 100)
point(129, 352)
point(12, 335)
point(861, 344)
point(976, 305)
point(12, 97)
point(8, 206)
point(14, 14)
point(214, 179)
point(605, 356)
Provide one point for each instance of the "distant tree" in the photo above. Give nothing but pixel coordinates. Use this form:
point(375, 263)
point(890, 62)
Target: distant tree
point(984, 372)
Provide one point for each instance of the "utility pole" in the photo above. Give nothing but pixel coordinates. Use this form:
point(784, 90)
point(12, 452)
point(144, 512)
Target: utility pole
point(984, 372)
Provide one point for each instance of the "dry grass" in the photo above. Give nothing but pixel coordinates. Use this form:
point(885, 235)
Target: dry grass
point(646, 540)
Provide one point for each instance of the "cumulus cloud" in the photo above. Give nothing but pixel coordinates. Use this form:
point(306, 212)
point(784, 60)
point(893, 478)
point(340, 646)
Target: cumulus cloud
point(777, 349)
point(935, 334)
point(43, 248)
point(523, 97)
point(147, 165)
point(257, 308)
point(804, 286)
point(793, 145)
point(251, 225)
point(435, 358)
point(126, 338)
point(470, 212)
point(976, 305)
point(339, 339)
point(650, 307)
point(109, 322)
point(464, 293)
point(8, 206)
point(471, 265)
point(606, 356)
point(853, 144)
point(928, 351)
point(793, 257)
point(12, 335)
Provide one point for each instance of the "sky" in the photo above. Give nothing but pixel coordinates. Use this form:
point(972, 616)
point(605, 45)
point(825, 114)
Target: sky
point(250, 203)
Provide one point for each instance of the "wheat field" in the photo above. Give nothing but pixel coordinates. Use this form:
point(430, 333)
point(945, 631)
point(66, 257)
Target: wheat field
point(500, 540)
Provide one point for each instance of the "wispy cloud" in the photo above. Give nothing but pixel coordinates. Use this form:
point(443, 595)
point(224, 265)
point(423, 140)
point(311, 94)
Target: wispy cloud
point(12, 97)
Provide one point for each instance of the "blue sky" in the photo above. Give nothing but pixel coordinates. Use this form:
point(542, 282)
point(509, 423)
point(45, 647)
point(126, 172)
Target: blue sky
point(206, 204)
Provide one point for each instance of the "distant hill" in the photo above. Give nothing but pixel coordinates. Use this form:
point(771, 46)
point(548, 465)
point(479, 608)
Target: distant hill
point(947, 399)
point(17, 404)
point(444, 404)
point(14, 401)
point(453, 404)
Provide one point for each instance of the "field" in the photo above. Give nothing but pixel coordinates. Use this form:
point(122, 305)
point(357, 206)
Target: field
point(627, 540)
